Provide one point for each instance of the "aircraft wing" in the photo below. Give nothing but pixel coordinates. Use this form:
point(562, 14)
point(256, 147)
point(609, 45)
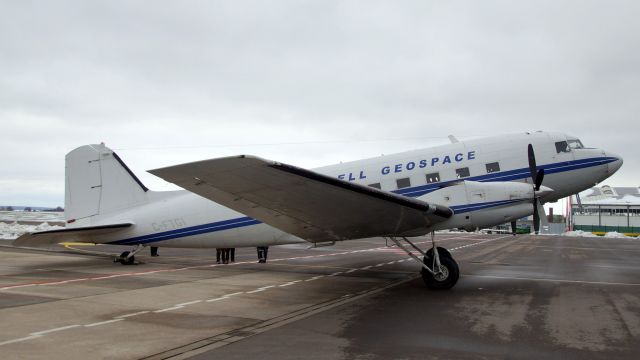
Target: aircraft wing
point(301, 202)
point(86, 234)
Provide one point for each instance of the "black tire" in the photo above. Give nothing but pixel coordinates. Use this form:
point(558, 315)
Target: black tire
point(124, 260)
point(452, 273)
point(441, 252)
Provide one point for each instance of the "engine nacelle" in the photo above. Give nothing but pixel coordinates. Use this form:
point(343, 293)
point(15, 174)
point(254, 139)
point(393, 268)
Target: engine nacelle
point(479, 204)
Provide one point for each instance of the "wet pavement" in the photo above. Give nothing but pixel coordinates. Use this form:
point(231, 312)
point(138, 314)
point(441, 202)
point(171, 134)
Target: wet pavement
point(524, 297)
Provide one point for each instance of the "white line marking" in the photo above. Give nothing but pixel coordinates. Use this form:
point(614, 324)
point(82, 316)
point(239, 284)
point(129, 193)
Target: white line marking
point(189, 303)
point(260, 289)
point(555, 280)
point(350, 271)
point(366, 268)
point(19, 340)
point(217, 299)
point(168, 309)
point(103, 322)
point(132, 314)
point(40, 333)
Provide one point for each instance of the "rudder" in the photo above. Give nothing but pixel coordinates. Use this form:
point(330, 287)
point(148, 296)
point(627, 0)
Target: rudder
point(98, 182)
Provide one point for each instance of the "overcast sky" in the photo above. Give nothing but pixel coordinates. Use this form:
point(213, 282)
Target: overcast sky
point(308, 83)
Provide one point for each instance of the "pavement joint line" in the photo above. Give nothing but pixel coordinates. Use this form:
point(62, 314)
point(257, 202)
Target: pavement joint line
point(104, 322)
point(44, 332)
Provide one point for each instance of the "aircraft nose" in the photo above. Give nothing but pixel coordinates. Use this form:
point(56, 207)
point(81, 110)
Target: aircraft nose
point(614, 165)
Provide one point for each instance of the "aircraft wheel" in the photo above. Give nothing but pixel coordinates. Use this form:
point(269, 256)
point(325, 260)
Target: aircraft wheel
point(442, 252)
point(446, 278)
point(124, 260)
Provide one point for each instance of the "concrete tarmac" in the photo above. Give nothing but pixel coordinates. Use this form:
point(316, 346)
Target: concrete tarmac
point(518, 297)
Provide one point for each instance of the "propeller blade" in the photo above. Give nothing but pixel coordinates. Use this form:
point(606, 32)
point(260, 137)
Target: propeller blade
point(539, 177)
point(579, 203)
point(543, 215)
point(532, 163)
point(536, 217)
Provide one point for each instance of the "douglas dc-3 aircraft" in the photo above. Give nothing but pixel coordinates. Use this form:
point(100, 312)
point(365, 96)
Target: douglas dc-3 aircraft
point(243, 201)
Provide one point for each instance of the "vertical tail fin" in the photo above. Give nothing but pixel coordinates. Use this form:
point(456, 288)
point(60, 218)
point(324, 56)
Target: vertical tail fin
point(98, 182)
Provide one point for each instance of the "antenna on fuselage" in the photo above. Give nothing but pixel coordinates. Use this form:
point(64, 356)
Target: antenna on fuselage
point(453, 139)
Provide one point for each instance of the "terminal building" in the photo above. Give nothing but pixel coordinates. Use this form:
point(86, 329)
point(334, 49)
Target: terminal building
point(607, 209)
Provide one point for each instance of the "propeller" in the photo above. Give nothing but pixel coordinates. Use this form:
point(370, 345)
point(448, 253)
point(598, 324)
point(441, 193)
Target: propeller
point(537, 175)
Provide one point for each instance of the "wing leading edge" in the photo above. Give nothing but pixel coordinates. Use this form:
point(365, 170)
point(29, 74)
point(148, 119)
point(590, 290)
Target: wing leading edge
point(312, 206)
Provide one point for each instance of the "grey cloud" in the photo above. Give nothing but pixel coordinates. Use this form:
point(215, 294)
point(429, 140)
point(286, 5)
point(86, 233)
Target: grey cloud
point(137, 74)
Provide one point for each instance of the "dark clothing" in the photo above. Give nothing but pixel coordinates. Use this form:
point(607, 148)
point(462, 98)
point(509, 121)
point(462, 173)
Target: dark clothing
point(218, 254)
point(232, 254)
point(225, 256)
point(262, 253)
point(154, 251)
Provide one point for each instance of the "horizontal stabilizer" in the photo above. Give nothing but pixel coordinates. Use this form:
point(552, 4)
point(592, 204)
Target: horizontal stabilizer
point(86, 234)
point(312, 206)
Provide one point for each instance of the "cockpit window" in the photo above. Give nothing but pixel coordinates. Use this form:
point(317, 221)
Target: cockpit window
point(575, 144)
point(567, 146)
point(562, 146)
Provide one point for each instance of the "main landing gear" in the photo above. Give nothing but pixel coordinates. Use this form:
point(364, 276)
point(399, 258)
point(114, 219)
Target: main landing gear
point(439, 270)
point(127, 257)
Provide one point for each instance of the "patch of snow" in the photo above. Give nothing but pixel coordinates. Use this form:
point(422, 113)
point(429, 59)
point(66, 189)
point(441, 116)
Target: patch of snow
point(615, 234)
point(579, 233)
point(612, 234)
point(14, 230)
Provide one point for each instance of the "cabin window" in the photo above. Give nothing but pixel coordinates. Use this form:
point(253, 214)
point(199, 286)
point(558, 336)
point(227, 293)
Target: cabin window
point(462, 173)
point(493, 167)
point(376, 185)
point(562, 146)
point(433, 177)
point(403, 183)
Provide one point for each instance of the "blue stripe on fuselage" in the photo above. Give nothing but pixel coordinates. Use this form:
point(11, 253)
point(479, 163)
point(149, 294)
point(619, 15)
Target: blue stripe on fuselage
point(189, 231)
point(411, 192)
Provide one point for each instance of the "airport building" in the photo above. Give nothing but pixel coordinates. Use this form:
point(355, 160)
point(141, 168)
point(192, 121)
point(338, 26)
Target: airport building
point(607, 209)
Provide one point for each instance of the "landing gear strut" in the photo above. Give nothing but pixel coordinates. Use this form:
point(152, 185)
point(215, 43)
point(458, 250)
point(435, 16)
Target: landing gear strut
point(127, 257)
point(439, 270)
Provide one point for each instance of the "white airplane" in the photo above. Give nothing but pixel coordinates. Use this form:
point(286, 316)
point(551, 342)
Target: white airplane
point(246, 201)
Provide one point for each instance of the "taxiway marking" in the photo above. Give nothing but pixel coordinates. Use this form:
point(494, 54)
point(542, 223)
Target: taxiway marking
point(39, 334)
